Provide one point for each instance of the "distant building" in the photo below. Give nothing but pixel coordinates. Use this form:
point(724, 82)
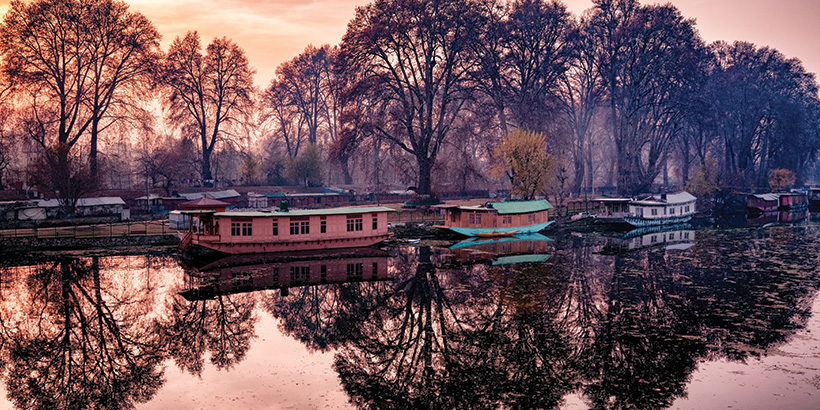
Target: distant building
point(102, 206)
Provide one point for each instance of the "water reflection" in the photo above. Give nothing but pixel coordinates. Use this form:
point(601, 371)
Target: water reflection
point(73, 341)
point(422, 327)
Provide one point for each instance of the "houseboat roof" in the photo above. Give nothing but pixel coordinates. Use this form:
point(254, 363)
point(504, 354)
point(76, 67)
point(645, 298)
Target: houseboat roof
point(521, 207)
point(766, 197)
point(307, 212)
point(671, 199)
point(614, 200)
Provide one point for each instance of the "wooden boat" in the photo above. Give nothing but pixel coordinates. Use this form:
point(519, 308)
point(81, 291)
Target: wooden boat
point(494, 234)
point(497, 218)
point(661, 209)
point(792, 201)
point(288, 231)
point(762, 203)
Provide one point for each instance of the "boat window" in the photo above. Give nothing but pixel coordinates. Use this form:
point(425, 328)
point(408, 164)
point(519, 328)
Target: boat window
point(235, 229)
point(375, 222)
point(672, 211)
point(654, 211)
point(355, 270)
point(355, 224)
point(294, 228)
point(323, 227)
point(304, 227)
point(247, 229)
point(275, 227)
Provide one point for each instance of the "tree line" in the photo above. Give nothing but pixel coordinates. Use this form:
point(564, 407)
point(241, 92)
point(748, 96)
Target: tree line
point(417, 92)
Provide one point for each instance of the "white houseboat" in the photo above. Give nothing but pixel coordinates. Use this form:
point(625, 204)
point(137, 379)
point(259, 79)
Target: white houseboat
point(288, 231)
point(661, 209)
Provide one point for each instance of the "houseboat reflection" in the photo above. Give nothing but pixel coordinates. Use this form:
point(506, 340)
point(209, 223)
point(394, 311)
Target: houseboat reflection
point(247, 273)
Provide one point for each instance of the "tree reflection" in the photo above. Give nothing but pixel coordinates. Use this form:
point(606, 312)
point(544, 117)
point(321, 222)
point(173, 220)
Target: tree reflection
point(74, 343)
point(455, 339)
point(626, 330)
point(223, 326)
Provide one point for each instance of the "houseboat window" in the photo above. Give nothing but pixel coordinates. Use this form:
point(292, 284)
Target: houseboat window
point(355, 224)
point(294, 228)
point(323, 226)
point(375, 222)
point(654, 211)
point(304, 227)
point(672, 211)
point(247, 229)
point(275, 227)
point(506, 220)
point(235, 229)
point(475, 219)
point(375, 269)
point(355, 270)
point(530, 218)
point(687, 208)
point(323, 272)
point(299, 273)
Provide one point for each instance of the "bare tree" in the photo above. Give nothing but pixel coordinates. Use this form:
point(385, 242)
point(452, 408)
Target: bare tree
point(124, 52)
point(416, 53)
point(206, 94)
point(43, 50)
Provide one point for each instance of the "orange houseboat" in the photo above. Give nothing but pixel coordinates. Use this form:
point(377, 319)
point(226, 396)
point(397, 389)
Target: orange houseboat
point(287, 231)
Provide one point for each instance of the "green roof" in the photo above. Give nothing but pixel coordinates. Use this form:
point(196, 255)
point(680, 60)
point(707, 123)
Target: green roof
point(308, 212)
point(521, 207)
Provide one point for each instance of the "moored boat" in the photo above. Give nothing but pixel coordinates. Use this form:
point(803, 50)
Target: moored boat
point(661, 209)
point(497, 218)
point(287, 231)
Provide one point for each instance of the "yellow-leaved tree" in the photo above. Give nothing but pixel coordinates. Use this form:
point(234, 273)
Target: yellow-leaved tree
point(522, 157)
point(780, 179)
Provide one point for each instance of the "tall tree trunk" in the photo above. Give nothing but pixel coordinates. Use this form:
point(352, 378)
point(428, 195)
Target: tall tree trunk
point(207, 175)
point(424, 186)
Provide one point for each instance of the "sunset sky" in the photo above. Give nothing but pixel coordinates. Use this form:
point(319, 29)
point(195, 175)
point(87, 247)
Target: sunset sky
point(273, 31)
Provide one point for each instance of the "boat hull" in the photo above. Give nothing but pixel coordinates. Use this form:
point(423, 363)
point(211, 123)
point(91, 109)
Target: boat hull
point(291, 246)
point(486, 232)
point(639, 222)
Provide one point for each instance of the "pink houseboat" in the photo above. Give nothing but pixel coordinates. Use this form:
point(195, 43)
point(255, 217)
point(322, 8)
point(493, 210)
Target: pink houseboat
point(288, 231)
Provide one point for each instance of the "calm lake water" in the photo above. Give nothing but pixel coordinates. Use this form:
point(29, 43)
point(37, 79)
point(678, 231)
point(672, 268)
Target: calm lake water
point(689, 319)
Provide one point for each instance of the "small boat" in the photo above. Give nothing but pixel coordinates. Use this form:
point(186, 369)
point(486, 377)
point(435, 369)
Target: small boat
point(495, 234)
point(497, 218)
point(661, 209)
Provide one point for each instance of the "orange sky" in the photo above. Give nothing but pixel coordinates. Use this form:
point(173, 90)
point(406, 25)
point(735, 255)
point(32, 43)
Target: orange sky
point(273, 31)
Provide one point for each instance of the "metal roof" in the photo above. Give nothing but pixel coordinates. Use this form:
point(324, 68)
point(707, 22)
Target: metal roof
point(308, 212)
point(671, 199)
point(228, 193)
point(766, 197)
point(106, 200)
point(520, 207)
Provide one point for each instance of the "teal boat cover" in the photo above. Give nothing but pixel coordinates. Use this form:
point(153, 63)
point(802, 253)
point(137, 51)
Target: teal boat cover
point(521, 207)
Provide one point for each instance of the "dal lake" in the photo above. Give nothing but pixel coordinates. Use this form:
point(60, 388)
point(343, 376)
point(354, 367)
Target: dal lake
point(684, 319)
